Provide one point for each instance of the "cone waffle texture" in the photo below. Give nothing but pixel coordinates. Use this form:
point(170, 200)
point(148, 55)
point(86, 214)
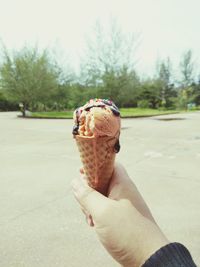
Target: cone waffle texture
point(97, 156)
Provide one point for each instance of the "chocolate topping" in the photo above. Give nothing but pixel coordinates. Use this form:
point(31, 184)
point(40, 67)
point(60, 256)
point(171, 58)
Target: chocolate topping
point(92, 106)
point(115, 111)
point(117, 146)
point(107, 102)
point(112, 106)
point(75, 129)
point(103, 103)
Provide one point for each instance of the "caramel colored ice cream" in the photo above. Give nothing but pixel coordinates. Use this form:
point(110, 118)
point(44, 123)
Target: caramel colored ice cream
point(96, 131)
point(97, 118)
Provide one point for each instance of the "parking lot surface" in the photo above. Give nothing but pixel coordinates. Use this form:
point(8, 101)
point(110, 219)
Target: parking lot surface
point(41, 224)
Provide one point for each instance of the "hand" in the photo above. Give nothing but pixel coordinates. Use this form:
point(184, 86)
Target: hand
point(122, 220)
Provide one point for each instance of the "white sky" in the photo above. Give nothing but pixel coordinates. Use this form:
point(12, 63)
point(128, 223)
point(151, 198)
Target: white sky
point(167, 27)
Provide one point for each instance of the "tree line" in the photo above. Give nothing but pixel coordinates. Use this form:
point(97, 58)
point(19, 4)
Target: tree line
point(32, 78)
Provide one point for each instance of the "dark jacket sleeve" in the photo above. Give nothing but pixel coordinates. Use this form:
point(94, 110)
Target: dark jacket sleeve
point(171, 255)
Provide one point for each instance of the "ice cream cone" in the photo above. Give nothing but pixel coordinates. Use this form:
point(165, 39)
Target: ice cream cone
point(96, 131)
point(98, 157)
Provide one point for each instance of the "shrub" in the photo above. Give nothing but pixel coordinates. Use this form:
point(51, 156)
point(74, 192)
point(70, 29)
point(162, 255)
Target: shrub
point(143, 104)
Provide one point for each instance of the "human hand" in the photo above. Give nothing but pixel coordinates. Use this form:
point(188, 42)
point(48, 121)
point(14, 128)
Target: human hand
point(121, 220)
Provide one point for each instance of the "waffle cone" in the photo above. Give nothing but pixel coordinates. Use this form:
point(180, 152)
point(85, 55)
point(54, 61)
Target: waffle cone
point(97, 156)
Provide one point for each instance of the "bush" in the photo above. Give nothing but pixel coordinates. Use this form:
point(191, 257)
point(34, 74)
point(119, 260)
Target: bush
point(143, 104)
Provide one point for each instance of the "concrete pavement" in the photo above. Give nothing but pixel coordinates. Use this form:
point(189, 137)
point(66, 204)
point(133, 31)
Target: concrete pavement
point(40, 222)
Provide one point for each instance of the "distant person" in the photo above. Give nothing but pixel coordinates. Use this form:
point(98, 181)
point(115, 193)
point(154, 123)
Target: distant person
point(125, 225)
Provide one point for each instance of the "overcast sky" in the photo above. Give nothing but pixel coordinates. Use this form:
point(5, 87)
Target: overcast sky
point(167, 27)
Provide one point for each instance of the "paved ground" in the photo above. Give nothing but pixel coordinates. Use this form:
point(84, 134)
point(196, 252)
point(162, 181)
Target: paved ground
point(40, 222)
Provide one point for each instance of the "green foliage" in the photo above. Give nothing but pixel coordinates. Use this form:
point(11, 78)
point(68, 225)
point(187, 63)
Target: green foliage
point(185, 97)
point(165, 82)
point(143, 103)
point(120, 86)
point(196, 93)
point(187, 69)
point(79, 94)
point(6, 105)
point(151, 92)
point(28, 76)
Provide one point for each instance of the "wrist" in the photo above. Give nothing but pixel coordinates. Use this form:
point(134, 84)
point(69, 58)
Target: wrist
point(145, 251)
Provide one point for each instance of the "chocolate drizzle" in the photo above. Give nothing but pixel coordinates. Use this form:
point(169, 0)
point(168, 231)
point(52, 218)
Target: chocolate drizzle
point(107, 102)
point(117, 146)
point(115, 111)
point(76, 126)
point(112, 106)
point(75, 129)
point(102, 103)
point(93, 106)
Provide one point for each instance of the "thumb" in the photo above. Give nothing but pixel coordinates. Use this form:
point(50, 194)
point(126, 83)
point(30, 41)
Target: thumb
point(91, 200)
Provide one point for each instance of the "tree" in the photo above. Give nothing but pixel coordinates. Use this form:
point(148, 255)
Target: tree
point(186, 90)
point(150, 94)
point(196, 91)
point(109, 64)
point(28, 76)
point(187, 69)
point(121, 86)
point(164, 80)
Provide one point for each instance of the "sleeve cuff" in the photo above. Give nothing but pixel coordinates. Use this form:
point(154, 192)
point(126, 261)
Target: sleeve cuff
point(171, 255)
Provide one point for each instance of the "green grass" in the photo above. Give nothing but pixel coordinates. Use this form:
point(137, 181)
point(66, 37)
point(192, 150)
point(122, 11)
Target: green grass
point(54, 114)
point(125, 113)
point(143, 112)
